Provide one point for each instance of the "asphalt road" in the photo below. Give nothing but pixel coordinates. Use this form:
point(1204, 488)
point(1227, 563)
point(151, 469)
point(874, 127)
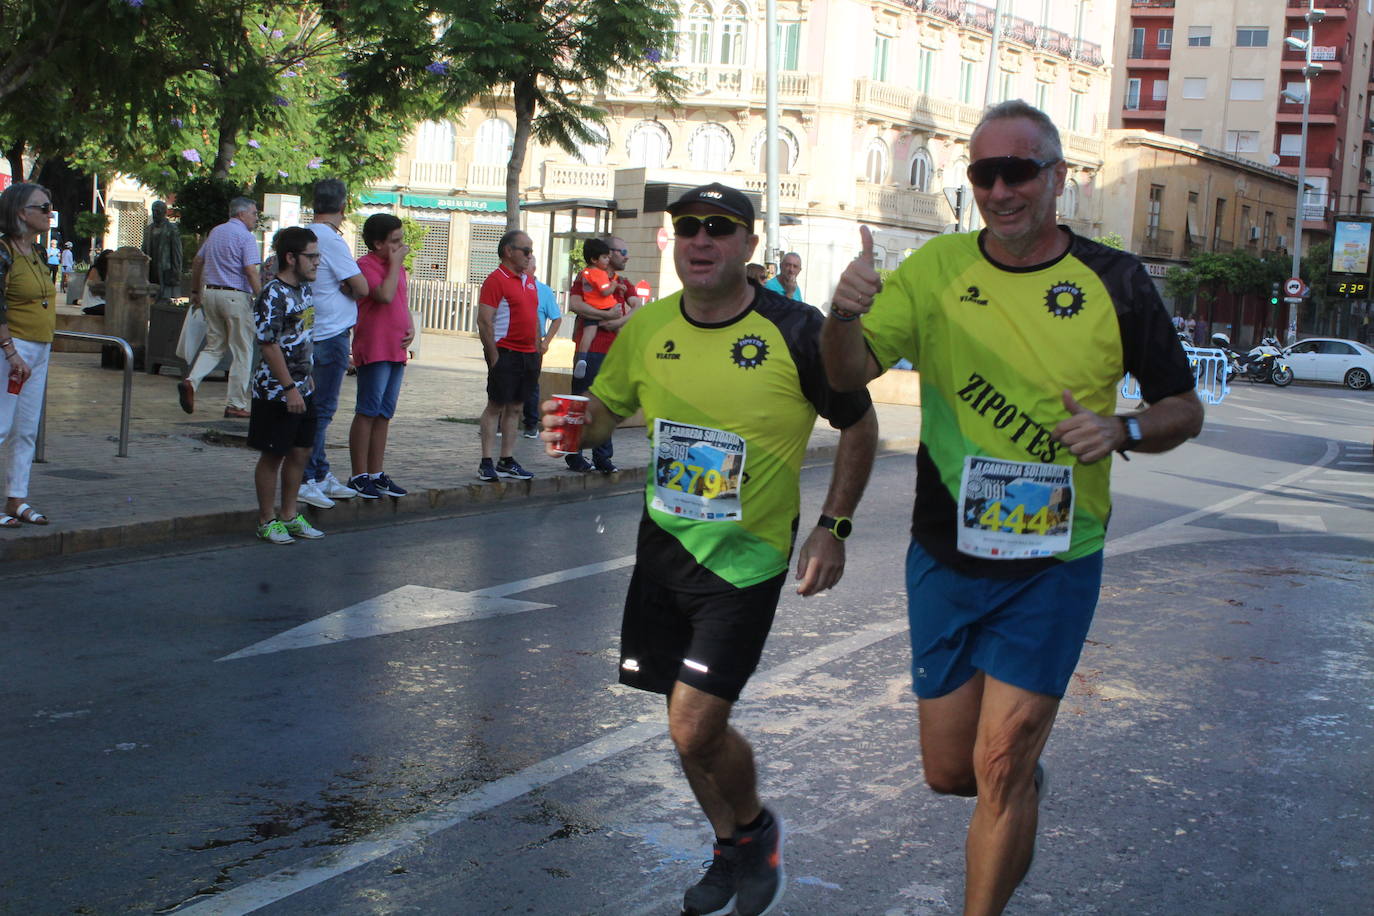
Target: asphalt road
point(421, 718)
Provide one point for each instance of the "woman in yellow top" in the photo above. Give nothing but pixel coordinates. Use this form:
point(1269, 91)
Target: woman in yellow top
point(28, 317)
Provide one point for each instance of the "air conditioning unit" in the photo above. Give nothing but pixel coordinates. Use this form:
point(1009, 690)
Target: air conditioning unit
point(1254, 233)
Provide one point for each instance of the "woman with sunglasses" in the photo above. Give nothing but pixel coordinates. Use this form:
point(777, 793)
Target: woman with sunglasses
point(28, 317)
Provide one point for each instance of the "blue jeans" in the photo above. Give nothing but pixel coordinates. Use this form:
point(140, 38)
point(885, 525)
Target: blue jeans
point(331, 363)
point(601, 455)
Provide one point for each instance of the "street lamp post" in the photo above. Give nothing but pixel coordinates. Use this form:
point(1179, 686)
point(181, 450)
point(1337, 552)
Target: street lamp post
point(1309, 70)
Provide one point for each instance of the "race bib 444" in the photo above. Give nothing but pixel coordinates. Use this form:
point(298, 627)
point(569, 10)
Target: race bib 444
point(1014, 510)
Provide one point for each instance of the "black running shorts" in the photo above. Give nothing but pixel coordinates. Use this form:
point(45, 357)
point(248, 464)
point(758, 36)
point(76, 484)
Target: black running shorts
point(275, 430)
point(513, 377)
point(709, 640)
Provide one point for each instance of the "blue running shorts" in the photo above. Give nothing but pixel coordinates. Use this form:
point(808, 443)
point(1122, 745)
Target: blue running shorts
point(1026, 632)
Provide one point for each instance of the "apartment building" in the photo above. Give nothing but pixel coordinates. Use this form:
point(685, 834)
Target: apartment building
point(877, 100)
point(1219, 74)
point(1171, 198)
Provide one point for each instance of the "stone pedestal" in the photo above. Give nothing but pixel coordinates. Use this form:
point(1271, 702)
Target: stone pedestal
point(128, 298)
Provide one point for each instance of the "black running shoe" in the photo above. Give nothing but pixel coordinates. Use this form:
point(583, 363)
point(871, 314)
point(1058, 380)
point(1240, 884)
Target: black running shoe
point(714, 894)
point(760, 880)
point(509, 467)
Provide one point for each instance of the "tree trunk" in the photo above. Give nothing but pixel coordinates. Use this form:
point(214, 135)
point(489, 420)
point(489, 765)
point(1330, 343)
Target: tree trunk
point(525, 95)
point(15, 155)
point(229, 122)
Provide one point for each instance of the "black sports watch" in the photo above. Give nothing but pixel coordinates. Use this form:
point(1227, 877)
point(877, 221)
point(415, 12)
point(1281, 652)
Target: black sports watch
point(1132, 433)
point(841, 527)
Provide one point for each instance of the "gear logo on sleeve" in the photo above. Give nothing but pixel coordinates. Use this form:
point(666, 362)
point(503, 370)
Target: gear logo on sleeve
point(749, 352)
point(1064, 300)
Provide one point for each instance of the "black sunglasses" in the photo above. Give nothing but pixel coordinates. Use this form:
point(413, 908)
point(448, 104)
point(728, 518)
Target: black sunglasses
point(527, 251)
point(1013, 169)
point(45, 208)
point(717, 225)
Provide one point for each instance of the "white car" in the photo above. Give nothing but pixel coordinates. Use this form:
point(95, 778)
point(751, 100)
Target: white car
point(1330, 359)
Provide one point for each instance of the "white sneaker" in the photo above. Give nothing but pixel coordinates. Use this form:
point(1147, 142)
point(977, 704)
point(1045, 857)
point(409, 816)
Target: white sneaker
point(332, 488)
point(311, 494)
point(299, 527)
point(580, 370)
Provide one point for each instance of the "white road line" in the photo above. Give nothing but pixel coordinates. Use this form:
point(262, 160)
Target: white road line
point(1174, 530)
point(272, 888)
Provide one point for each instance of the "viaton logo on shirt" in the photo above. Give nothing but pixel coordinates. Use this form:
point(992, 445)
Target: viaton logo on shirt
point(668, 348)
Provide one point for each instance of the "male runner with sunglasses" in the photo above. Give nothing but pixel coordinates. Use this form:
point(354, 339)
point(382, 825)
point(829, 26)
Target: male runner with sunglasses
point(1021, 333)
point(730, 381)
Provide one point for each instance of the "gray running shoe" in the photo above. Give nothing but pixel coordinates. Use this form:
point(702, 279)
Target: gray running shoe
point(761, 879)
point(714, 894)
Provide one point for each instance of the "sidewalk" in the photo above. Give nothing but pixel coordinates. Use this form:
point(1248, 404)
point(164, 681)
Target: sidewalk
point(192, 476)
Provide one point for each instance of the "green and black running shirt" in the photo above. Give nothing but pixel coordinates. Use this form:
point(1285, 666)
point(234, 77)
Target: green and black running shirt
point(996, 346)
point(729, 409)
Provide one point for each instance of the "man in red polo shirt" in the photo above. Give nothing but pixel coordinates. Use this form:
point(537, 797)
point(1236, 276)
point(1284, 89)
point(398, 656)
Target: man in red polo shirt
point(606, 330)
point(506, 321)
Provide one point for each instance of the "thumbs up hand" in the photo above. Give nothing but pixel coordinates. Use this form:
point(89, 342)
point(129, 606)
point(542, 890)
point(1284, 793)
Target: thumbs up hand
point(1088, 436)
point(860, 281)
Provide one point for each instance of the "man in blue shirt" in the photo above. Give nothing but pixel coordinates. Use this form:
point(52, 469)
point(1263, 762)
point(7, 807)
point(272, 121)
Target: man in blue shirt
point(786, 280)
point(549, 318)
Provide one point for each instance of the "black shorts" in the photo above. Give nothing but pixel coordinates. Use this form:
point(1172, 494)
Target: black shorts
point(709, 640)
point(513, 377)
point(274, 430)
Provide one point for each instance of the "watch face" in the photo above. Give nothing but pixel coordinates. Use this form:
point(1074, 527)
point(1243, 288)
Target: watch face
point(843, 528)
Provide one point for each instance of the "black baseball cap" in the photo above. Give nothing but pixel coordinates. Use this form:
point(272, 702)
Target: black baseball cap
point(719, 196)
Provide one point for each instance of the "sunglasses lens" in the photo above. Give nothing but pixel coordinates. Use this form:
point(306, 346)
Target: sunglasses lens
point(1013, 169)
point(716, 226)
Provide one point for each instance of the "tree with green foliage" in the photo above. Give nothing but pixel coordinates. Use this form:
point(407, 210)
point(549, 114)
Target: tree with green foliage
point(1112, 240)
point(550, 61)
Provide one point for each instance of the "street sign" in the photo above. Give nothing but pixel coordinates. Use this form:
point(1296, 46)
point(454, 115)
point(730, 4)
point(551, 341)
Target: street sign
point(1294, 286)
point(1293, 300)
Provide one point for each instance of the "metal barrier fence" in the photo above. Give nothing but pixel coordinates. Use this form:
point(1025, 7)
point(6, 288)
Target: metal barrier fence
point(1209, 371)
point(126, 408)
point(445, 306)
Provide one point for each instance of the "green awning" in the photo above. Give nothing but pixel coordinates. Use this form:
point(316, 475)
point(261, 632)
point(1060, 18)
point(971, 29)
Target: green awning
point(378, 197)
point(475, 204)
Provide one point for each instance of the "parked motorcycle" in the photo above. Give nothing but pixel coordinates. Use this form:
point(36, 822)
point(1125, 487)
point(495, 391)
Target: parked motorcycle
point(1262, 364)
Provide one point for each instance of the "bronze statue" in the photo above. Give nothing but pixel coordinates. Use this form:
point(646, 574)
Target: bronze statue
point(162, 245)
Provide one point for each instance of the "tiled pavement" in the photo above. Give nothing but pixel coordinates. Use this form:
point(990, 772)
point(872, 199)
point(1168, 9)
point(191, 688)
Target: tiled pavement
point(191, 476)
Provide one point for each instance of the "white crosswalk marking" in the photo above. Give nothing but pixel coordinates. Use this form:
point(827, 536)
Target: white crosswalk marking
point(1286, 523)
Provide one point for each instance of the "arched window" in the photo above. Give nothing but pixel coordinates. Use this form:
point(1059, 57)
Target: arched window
point(875, 162)
point(492, 146)
point(434, 142)
point(696, 44)
point(788, 150)
point(1068, 201)
point(595, 153)
point(711, 148)
point(648, 145)
point(918, 175)
point(732, 27)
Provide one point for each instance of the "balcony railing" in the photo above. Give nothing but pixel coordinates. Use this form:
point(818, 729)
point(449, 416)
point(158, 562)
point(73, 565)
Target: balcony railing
point(1089, 52)
point(1152, 4)
point(1017, 29)
point(977, 16)
point(1150, 52)
point(433, 175)
point(1141, 104)
point(905, 104)
point(1316, 106)
point(902, 205)
point(486, 177)
point(1326, 4)
point(1158, 243)
point(1054, 41)
point(576, 180)
point(789, 186)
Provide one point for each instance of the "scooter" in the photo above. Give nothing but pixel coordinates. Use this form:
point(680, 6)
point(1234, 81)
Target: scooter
point(1262, 364)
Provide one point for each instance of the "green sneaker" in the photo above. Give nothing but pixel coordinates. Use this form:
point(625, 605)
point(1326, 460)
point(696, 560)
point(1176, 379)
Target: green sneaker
point(301, 528)
point(274, 532)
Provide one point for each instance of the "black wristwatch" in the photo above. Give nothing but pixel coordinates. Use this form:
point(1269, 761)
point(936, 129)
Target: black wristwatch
point(290, 387)
point(841, 527)
point(1132, 426)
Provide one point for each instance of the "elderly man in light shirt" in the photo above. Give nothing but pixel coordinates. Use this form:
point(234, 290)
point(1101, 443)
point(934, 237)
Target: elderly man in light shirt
point(224, 281)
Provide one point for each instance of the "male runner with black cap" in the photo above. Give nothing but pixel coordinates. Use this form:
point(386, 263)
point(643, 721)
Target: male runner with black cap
point(730, 381)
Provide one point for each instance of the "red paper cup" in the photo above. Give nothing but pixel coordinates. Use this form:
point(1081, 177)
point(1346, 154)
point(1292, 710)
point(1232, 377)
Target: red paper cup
point(572, 408)
point(16, 383)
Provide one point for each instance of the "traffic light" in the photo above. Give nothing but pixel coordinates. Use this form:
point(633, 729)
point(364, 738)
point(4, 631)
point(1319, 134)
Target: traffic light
point(1274, 293)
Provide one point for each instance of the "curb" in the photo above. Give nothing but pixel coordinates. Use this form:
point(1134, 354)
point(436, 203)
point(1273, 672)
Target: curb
point(352, 513)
